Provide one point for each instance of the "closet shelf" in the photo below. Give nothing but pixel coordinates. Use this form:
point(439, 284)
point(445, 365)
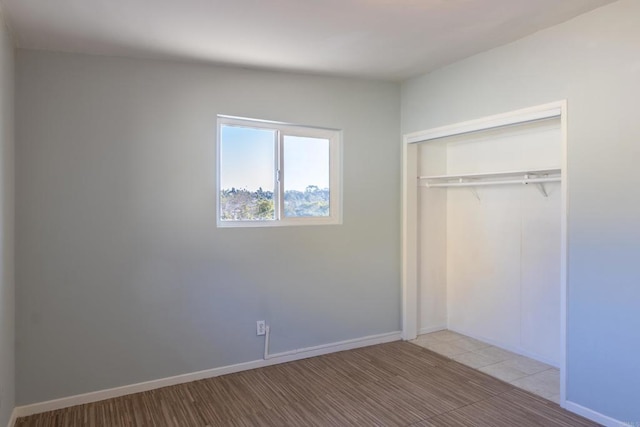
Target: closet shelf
point(490, 175)
point(529, 176)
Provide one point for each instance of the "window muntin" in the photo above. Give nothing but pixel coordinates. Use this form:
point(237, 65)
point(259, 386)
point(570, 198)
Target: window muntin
point(274, 174)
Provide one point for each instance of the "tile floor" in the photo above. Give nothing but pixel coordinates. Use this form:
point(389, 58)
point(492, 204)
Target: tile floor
point(528, 374)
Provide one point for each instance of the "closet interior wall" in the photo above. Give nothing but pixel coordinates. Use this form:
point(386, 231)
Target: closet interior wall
point(489, 256)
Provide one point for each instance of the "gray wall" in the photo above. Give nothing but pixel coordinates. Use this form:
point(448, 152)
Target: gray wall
point(7, 290)
point(124, 277)
point(594, 62)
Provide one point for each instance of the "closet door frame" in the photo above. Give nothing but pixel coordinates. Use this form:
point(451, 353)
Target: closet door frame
point(410, 262)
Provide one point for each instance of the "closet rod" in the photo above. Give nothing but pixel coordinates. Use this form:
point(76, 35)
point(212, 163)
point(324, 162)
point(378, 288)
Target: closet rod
point(495, 182)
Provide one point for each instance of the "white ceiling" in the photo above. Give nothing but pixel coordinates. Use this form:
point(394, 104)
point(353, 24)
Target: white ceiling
point(386, 39)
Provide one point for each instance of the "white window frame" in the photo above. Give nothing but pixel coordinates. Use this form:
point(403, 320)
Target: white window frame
point(334, 137)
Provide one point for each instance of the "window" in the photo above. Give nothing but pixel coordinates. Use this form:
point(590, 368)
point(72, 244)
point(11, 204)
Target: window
point(274, 174)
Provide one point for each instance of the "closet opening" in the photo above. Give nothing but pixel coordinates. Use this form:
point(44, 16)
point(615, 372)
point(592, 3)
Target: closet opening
point(484, 245)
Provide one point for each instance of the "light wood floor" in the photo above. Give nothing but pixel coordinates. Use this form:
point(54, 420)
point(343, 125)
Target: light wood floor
point(396, 384)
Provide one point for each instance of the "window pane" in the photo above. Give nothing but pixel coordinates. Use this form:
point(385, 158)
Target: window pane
point(247, 171)
point(306, 177)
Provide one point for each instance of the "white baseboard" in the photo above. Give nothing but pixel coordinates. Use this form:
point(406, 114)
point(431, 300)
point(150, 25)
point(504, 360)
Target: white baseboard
point(95, 396)
point(593, 415)
point(14, 417)
point(431, 329)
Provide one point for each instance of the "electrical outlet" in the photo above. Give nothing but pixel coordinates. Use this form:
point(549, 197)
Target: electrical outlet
point(261, 327)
